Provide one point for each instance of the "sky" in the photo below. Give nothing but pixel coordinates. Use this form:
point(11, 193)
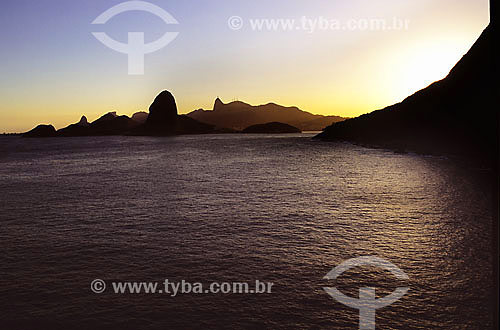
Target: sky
point(53, 70)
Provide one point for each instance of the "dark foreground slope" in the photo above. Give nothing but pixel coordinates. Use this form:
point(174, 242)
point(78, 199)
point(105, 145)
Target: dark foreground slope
point(458, 114)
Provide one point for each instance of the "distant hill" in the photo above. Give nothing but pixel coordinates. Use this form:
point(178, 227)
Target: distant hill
point(109, 124)
point(41, 130)
point(140, 117)
point(162, 120)
point(239, 115)
point(458, 114)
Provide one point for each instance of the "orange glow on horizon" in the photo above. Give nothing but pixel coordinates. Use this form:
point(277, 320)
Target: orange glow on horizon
point(328, 73)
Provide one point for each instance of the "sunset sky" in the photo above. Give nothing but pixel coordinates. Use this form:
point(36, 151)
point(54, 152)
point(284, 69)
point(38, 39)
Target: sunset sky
point(53, 70)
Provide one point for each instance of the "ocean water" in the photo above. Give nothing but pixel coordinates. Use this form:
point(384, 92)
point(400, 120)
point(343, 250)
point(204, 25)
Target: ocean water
point(283, 209)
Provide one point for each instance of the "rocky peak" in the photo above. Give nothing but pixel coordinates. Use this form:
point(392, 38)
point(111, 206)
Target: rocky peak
point(218, 104)
point(163, 111)
point(83, 121)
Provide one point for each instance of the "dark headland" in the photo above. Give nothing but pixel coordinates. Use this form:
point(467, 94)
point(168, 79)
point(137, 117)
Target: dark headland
point(457, 115)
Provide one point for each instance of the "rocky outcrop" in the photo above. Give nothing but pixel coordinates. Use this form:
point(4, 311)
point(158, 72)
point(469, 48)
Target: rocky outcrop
point(83, 122)
point(273, 128)
point(41, 131)
point(162, 117)
point(163, 120)
point(218, 105)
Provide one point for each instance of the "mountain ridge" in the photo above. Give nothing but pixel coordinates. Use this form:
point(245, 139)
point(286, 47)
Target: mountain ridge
point(239, 115)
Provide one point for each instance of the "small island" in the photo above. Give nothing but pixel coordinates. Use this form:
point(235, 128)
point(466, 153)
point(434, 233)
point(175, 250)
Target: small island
point(271, 128)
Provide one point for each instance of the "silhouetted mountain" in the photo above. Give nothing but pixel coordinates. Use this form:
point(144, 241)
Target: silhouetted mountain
point(79, 129)
point(41, 131)
point(163, 120)
point(458, 114)
point(239, 115)
point(140, 117)
point(83, 122)
point(273, 127)
point(162, 117)
point(109, 124)
point(218, 105)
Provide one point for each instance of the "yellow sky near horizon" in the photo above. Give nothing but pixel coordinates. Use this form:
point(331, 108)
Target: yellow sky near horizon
point(327, 72)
